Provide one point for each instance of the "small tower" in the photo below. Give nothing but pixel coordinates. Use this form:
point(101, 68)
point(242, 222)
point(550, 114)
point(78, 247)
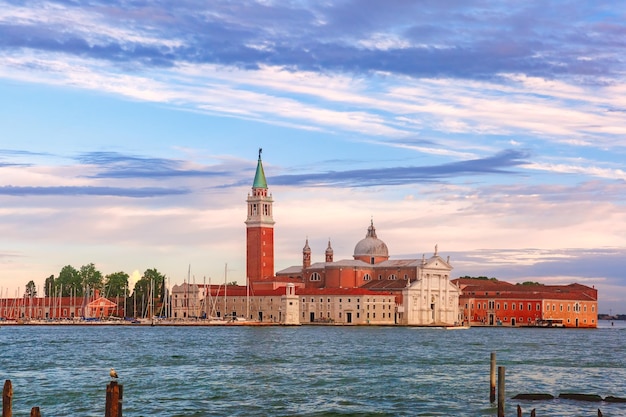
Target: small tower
point(290, 307)
point(329, 252)
point(259, 229)
point(306, 255)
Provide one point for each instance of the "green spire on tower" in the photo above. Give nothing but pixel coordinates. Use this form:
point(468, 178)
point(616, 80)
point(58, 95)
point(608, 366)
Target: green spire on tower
point(259, 177)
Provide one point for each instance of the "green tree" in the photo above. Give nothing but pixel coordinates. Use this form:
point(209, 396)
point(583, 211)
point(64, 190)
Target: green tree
point(31, 289)
point(116, 284)
point(90, 277)
point(149, 292)
point(69, 282)
point(48, 286)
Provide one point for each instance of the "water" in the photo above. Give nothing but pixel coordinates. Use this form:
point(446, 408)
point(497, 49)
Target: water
point(309, 370)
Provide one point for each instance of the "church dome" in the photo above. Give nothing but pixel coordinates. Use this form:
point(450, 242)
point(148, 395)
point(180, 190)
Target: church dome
point(371, 246)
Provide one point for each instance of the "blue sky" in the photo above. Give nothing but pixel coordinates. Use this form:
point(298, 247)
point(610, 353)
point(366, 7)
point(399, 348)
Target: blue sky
point(495, 130)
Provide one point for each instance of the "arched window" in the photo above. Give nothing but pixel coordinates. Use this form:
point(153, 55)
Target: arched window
point(392, 276)
point(367, 277)
point(315, 277)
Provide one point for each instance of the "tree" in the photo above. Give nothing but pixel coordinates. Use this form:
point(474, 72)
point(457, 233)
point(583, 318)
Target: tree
point(149, 291)
point(69, 282)
point(48, 286)
point(90, 277)
point(116, 284)
point(31, 289)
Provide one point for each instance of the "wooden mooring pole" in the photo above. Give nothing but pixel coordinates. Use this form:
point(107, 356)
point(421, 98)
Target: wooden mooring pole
point(501, 394)
point(35, 412)
point(113, 406)
point(7, 398)
point(492, 380)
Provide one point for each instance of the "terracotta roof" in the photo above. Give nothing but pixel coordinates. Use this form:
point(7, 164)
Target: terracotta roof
point(385, 284)
point(338, 291)
point(501, 290)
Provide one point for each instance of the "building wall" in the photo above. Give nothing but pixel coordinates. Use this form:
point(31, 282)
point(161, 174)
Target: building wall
point(376, 309)
point(516, 310)
point(574, 313)
point(259, 253)
point(432, 300)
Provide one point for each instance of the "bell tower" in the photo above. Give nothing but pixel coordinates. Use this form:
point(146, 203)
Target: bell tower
point(259, 229)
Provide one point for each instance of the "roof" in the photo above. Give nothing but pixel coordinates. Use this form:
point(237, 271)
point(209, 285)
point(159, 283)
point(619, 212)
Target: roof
point(501, 289)
point(259, 176)
point(371, 245)
point(339, 291)
point(385, 284)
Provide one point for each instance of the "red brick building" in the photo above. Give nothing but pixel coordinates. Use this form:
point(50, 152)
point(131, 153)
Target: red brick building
point(499, 303)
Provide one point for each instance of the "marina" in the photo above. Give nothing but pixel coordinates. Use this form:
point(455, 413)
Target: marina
point(310, 370)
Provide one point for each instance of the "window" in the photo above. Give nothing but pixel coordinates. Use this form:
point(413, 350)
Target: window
point(538, 307)
point(506, 306)
point(392, 276)
point(315, 277)
point(367, 277)
point(521, 306)
point(380, 276)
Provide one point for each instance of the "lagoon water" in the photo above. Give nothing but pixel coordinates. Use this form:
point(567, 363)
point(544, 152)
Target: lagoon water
point(309, 370)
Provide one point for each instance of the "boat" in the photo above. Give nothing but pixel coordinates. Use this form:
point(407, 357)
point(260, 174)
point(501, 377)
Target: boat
point(456, 327)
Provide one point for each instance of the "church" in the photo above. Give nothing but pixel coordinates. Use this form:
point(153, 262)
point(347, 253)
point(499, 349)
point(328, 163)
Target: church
point(421, 289)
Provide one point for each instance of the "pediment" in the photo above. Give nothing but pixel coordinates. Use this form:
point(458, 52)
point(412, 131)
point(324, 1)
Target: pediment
point(437, 263)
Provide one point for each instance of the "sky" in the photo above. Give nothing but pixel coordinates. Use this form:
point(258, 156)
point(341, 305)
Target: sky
point(496, 130)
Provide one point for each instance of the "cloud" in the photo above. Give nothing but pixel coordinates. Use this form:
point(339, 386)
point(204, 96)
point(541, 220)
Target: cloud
point(142, 192)
point(498, 164)
point(116, 165)
point(474, 40)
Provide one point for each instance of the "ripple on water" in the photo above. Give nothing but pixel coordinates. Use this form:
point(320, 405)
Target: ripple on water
point(306, 371)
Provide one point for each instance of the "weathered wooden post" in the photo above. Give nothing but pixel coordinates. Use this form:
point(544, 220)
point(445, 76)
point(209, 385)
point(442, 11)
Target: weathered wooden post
point(113, 406)
point(532, 413)
point(492, 381)
point(501, 393)
point(34, 412)
point(519, 411)
point(7, 397)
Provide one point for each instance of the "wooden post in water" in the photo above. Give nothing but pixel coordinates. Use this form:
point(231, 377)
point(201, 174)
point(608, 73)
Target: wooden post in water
point(34, 412)
point(7, 397)
point(113, 406)
point(501, 394)
point(492, 380)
